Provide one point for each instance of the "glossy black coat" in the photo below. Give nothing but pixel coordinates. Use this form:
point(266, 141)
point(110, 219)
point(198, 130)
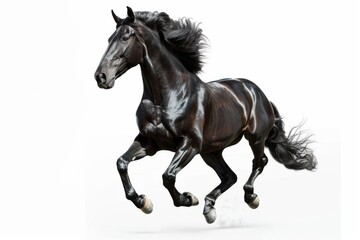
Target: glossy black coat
point(181, 113)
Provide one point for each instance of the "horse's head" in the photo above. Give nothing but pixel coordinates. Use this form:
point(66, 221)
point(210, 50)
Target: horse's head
point(125, 51)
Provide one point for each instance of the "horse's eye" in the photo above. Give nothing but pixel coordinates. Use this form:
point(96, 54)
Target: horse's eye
point(125, 37)
point(116, 57)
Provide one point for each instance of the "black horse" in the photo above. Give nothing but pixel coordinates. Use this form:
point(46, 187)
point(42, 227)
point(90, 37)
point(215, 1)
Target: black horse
point(180, 113)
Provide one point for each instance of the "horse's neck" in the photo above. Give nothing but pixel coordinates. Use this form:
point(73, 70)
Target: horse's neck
point(161, 73)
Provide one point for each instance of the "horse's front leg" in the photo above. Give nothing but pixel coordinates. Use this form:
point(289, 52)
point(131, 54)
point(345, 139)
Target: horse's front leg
point(138, 149)
point(183, 156)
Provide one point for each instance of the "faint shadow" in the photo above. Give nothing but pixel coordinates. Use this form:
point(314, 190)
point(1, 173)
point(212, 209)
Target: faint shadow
point(197, 229)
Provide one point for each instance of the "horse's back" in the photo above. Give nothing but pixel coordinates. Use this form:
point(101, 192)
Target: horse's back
point(235, 107)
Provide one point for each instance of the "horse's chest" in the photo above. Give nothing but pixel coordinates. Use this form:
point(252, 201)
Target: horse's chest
point(155, 123)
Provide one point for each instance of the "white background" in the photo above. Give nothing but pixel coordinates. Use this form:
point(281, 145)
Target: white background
point(60, 135)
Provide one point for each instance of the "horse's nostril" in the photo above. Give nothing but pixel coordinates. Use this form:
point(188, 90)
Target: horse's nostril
point(102, 77)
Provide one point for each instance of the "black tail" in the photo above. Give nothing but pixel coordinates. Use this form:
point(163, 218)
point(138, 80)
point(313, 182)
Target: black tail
point(291, 150)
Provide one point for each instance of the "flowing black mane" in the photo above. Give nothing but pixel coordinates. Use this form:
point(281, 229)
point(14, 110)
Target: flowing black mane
point(183, 38)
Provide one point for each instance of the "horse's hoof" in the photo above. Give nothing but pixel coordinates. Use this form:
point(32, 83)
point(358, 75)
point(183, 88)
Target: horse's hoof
point(210, 216)
point(148, 206)
point(255, 203)
point(194, 200)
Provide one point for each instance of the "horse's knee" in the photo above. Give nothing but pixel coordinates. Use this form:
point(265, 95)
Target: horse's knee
point(168, 179)
point(122, 165)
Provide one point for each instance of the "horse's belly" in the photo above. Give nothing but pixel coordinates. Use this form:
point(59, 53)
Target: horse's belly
point(224, 124)
point(221, 134)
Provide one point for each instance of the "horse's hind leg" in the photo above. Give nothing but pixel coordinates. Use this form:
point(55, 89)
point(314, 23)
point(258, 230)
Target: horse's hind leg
point(227, 176)
point(259, 162)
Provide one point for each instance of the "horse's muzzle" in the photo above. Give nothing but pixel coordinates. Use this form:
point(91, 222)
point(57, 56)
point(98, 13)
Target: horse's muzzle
point(103, 82)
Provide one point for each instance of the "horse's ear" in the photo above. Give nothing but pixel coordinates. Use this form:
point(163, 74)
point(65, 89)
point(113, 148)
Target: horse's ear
point(130, 14)
point(116, 18)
